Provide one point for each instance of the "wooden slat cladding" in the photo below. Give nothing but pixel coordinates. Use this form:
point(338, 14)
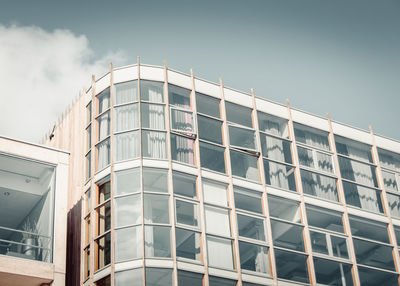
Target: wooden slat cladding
point(74, 245)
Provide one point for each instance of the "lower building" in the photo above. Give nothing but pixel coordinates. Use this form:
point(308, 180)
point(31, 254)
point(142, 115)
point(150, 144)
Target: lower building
point(33, 214)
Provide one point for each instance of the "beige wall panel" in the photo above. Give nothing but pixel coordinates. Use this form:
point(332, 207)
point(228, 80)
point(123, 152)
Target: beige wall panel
point(102, 83)
point(125, 74)
point(179, 79)
point(368, 215)
point(238, 97)
point(272, 108)
point(388, 144)
point(207, 88)
point(151, 73)
point(351, 133)
point(310, 120)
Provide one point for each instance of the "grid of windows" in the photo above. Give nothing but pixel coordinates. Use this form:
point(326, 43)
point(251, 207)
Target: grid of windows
point(164, 214)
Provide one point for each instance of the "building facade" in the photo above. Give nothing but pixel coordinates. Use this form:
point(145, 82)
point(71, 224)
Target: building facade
point(188, 182)
point(33, 214)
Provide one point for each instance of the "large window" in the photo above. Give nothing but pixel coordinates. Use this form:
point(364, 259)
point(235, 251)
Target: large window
point(27, 209)
point(103, 225)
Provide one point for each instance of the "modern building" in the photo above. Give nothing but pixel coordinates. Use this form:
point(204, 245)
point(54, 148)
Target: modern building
point(175, 180)
point(33, 214)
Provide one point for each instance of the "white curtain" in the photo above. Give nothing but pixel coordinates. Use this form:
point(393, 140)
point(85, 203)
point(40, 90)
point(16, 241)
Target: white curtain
point(182, 120)
point(154, 144)
point(104, 126)
point(278, 174)
point(103, 154)
point(394, 205)
point(215, 193)
point(126, 117)
point(156, 116)
point(126, 92)
point(319, 140)
point(152, 91)
point(184, 149)
point(104, 100)
point(149, 240)
point(274, 149)
point(219, 252)
point(324, 162)
point(358, 172)
point(365, 198)
point(318, 185)
point(389, 180)
point(261, 261)
point(127, 146)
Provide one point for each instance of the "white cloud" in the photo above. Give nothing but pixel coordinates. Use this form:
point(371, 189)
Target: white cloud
point(40, 73)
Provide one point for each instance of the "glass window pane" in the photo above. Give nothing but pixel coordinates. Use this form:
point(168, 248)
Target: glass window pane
point(155, 180)
point(251, 227)
point(215, 193)
point(184, 185)
point(372, 277)
point(127, 181)
point(219, 252)
point(311, 136)
point(369, 229)
point(127, 146)
point(157, 241)
point(103, 251)
point(361, 197)
point(397, 234)
point(253, 257)
point(156, 209)
point(217, 281)
point(151, 91)
point(389, 179)
point(89, 137)
point(333, 273)
point(305, 157)
point(182, 149)
point(187, 213)
point(103, 192)
point(103, 218)
point(126, 117)
point(152, 116)
point(276, 149)
point(279, 175)
point(272, 124)
point(104, 125)
point(188, 244)
point(158, 277)
point(357, 172)
point(88, 113)
point(128, 243)
point(104, 281)
point(319, 185)
point(284, 209)
point(248, 200)
point(207, 105)
point(127, 210)
point(287, 235)
point(339, 247)
point(182, 121)
point(244, 165)
point(179, 96)
point(186, 278)
point(373, 254)
point(238, 114)
point(154, 144)
point(88, 165)
point(353, 149)
point(217, 221)
point(126, 92)
point(389, 159)
point(104, 100)
point(394, 204)
point(291, 266)
point(210, 129)
point(129, 277)
point(318, 242)
point(241, 137)
point(103, 151)
point(212, 157)
point(324, 218)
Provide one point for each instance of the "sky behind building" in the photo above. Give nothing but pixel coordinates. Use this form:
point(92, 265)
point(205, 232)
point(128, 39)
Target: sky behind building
point(337, 56)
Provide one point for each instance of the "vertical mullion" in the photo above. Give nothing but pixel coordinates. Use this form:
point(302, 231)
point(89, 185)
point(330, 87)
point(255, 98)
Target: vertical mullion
point(199, 186)
point(234, 227)
point(346, 221)
point(264, 194)
point(170, 189)
point(93, 188)
point(306, 233)
point(381, 184)
point(112, 233)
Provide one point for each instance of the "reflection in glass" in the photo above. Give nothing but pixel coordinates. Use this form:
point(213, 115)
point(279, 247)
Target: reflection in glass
point(151, 91)
point(219, 252)
point(152, 116)
point(127, 210)
point(287, 235)
point(155, 180)
point(279, 175)
point(389, 179)
point(353, 149)
point(272, 124)
point(372, 277)
point(284, 209)
point(238, 114)
point(319, 185)
point(394, 204)
point(362, 197)
point(291, 266)
point(182, 120)
point(373, 254)
point(126, 117)
point(189, 278)
point(357, 172)
point(129, 277)
point(188, 244)
point(332, 273)
point(248, 200)
point(212, 157)
point(207, 105)
point(209, 129)
point(324, 218)
point(104, 126)
point(104, 100)
point(311, 136)
point(127, 146)
point(103, 251)
point(156, 209)
point(127, 181)
point(241, 137)
point(158, 277)
point(276, 149)
point(182, 149)
point(157, 241)
point(128, 243)
point(187, 213)
point(103, 153)
point(254, 257)
point(126, 92)
point(251, 227)
point(154, 144)
point(215, 193)
point(244, 165)
point(184, 185)
point(179, 96)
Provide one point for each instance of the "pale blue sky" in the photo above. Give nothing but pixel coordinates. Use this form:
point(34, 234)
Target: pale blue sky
point(337, 56)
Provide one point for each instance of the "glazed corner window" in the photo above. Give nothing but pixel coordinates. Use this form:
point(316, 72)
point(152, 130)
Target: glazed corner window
point(212, 157)
point(126, 117)
point(127, 146)
point(151, 91)
point(103, 153)
point(104, 125)
point(272, 125)
point(152, 116)
point(182, 149)
point(238, 114)
point(104, 100)
point(154, 144)
point(311, 136)
point(208, 105)
point(26, 208)
point(126, 92)
point(179, 96)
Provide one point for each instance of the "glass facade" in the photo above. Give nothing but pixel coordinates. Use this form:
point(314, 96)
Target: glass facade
point(206, 191)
